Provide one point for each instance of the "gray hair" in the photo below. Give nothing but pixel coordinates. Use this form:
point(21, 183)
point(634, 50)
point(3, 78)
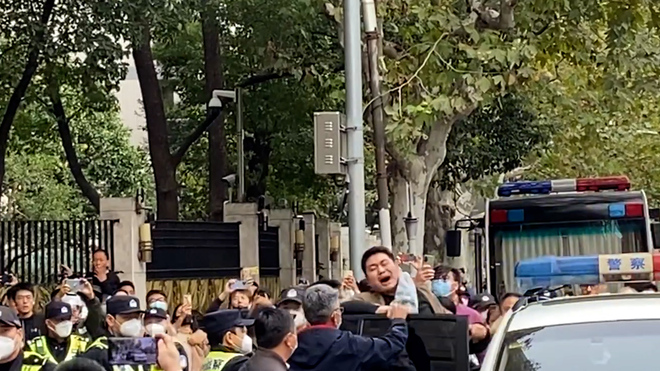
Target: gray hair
point(319, 303)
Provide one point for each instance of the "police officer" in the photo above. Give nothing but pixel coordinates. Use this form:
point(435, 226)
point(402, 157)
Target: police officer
point(58, 345)
point(227, 333)
point(12, 356)
point(123, 319)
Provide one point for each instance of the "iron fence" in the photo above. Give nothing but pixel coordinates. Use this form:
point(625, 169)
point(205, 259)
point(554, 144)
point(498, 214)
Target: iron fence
point(34, 250)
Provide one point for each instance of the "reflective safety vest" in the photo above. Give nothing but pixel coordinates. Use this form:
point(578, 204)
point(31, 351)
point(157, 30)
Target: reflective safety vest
point(215, 361)
point(76, 345)
point(32, 361)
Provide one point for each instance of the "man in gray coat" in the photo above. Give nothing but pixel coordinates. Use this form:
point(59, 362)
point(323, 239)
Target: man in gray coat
point(276, 341)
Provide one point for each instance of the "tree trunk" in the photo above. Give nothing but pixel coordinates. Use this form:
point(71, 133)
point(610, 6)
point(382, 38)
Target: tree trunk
point(217, 140)
point(30, 69)
point(414, 173)
point(70, 152)
point(157, 132)
point(440, 217)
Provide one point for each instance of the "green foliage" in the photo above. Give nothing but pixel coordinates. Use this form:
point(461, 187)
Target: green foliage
point(39, 184)
point(494, 140)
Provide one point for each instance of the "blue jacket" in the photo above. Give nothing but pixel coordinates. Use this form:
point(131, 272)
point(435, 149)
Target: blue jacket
point(322, 348)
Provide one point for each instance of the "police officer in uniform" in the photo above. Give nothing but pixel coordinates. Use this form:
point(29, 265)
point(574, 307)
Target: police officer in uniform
point(58, 345)
point(227, 333)
point(123, 319)
point(12, 356)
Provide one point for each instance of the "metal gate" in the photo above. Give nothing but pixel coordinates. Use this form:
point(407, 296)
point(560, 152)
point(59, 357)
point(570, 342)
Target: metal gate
point(269, 252)
point(34, 250)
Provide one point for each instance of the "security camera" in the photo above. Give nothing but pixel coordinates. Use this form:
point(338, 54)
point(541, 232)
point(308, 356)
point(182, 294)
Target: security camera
point(230, 179)
point(215, 103)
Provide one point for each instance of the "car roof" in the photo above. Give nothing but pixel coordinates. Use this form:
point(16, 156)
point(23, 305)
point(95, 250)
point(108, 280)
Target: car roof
point(584, 309)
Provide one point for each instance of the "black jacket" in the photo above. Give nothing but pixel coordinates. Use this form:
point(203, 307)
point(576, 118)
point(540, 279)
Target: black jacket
point(264, 360)
point(34, 326)
point(322, 348)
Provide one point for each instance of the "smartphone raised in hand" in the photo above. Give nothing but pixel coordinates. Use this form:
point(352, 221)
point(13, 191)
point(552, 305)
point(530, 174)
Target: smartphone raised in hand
point(408, 258)
point(75, 285)
point(429, 259)
point(132, 351)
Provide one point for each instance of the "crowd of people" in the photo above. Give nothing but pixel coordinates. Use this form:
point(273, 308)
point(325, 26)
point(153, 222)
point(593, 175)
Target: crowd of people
point(244, 329)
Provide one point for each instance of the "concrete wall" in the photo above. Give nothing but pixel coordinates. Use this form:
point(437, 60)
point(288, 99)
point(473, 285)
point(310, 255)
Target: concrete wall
point(127, 241)
point(309, 256)
point(246, 214)
point(283, 219)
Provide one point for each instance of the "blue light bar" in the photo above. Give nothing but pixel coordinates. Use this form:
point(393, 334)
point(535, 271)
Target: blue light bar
point(524, 187)
point(617, 210)
point(515, 216)
point(558, 266)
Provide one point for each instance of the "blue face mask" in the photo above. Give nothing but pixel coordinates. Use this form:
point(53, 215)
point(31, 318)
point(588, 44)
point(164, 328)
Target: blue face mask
point(159, 305)
point(440, 288)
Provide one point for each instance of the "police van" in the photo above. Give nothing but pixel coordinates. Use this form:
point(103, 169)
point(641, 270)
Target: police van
point(547, 331)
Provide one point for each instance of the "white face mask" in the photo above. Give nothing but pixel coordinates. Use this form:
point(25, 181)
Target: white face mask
point(84, 312)
point(159, 305)
point(7, 347)
point(246, 344)
point(484, 316)
point(298, 318)
point(131, 328)
point(154, 329)
point(63, 329)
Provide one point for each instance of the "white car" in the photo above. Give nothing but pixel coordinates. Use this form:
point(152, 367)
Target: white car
point(615, 332)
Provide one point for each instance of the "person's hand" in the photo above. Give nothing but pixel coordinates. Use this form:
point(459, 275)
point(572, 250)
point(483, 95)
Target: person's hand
point(425, 272)
point(183, 310)
point(168, 355)
point(383, 309)
point(227, 291)
point(478, 332)
point(261, 301)
point(349, 283)
point(66, 271)
point(87, 289)
point(13, 280)
point(198, 337)
point(64, 289)
point(398, 311)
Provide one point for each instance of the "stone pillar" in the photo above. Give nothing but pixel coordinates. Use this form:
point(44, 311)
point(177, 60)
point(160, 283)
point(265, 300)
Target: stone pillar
point(283, 219)
point(337, 267)
point(323, 231)
point(309, 256)
point(127, 241)
point(246, 214)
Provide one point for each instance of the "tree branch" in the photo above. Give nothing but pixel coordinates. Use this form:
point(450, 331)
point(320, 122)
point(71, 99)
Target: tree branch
point(21, 88)
point(69, 151)
point(494, 19)
point(270, 74)
point(177, 156)
point(434, 148)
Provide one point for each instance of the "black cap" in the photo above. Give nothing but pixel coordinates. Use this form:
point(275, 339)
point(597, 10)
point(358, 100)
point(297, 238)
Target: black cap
point(155, 313)
point(58, 310)
point(482, 301)
point(218, 323)
point(292, 294)
point(122, 305)
point(8, 317)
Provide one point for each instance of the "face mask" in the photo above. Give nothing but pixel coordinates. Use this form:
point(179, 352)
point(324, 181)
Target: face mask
point(484, 316)
point(154, 329)
point(63, 329)
point(131, 328)
point(298, 318)
point(159, 305)
point(83, 314)
point(7, 347)
point(246, 344)
point(441, 287)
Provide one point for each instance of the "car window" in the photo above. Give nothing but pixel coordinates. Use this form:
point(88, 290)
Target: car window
point(601, 346)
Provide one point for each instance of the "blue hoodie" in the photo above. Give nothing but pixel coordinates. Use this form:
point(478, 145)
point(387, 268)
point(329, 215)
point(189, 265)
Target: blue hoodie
point(325, 348)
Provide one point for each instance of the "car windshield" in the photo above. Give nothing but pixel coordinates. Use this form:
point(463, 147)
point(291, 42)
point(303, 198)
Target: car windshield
point(601, 346)
point(525, 241)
